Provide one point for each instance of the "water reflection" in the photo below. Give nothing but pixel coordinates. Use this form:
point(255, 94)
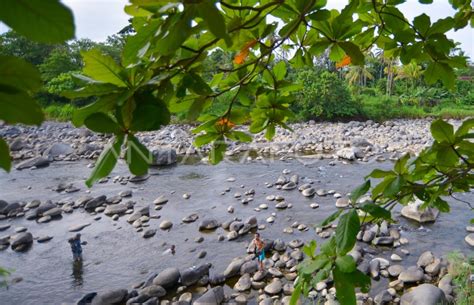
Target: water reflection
point(77, 272)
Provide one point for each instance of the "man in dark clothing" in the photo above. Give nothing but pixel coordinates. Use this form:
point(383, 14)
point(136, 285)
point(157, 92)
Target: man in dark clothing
point(76, 247)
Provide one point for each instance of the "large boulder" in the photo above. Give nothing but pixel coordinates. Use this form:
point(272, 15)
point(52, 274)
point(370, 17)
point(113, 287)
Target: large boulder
point(412, 274)
point(234, 267)
point(214, 296)
point(9, 207)
point(191, 276)
point(350, 153)
point(167, 278)
point(44, 207)
point(414, 212)
point(208, 224)
point(162, 157)
point(95, 202)
point(425, 294)
point(59, 149)
point(21, 240)
point(113, 209)
point(112, 297)
point(33, 162)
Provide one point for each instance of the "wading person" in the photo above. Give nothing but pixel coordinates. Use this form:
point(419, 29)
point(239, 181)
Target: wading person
point(76, 247)
point(259, 247)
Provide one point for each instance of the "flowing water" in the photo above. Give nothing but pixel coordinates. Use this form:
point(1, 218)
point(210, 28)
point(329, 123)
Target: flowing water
point(116, 256)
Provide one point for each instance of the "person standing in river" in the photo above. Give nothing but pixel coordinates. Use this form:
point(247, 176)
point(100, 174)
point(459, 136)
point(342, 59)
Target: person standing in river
point(76, 247)
point(259, 247)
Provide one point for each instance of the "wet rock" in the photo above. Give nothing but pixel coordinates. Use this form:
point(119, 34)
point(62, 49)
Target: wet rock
point(309, 192)
point(163, 157)
point(234, 267)
point(160, 200)
point(4, 227)
point(368, 236)
point(166, 224)
point(425, 259)
point(213, 296)
point(43, 239)
point(342, 203)
point(114, 209)
point(384, 297)
point(36, 162)
point(244, 283)
point(249, 267)
point(469, 239)
point(21, 240)
point(274, 287)
point(383, 241)
point(59, 149)
point(44, 219)
point(149, 233)
point(425, 294)
point(232, 235)
point(289, 186)
point(208, 224)
point(411, 275)
point(192, 275)
point(167, 278)
point(111, 297)
point(95, 202)
point(279, 245)
point(414, 212)
point(78, 227)
point(445, 284)
point(296, 243)
point(217, 279)
point(201, 254)
point(395, 270)
point(154, 291)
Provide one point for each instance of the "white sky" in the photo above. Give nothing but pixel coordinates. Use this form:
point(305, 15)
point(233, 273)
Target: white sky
point(96, 19)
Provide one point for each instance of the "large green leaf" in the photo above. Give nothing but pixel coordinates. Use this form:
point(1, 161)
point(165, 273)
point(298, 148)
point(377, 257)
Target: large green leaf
point(216, 154)
point(442, 131)
point(346, 263)
point(150, 113)
point(353, 51)
point(440, 71)
point(5, 159)
point(106, 161)
point(465, 127)
point(103, 104)
point(360, 191)
point(100, 122)
point(376, 211)
point(214, 20)
point(93, 89)
point(345, 291)
point(19, 107)
point(102, 68)
point(18, 73)
point(138, 157)
point(279, 70)
point(46, 21)
point(137, 45)
point(346, 232)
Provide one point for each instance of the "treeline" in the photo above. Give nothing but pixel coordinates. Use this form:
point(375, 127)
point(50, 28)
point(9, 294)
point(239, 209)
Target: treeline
point(381, 89)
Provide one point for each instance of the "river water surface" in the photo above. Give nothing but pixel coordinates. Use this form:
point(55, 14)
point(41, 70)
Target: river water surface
point(117, 257)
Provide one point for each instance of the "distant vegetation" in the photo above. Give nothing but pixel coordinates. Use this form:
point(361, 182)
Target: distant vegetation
point(381, 89)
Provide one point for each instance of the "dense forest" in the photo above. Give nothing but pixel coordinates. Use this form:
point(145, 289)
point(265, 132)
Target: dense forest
point(381, 89)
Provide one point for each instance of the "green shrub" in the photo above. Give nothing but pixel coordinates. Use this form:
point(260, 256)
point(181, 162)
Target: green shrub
point(59, 112)
point(324, 96)
point(460, 268)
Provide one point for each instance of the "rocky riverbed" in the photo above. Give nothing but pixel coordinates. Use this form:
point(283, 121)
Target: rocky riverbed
point(210, 214)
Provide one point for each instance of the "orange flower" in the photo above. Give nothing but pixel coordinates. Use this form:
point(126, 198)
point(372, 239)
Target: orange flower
point(244, 52)
point(344, 62)
point(225, 122)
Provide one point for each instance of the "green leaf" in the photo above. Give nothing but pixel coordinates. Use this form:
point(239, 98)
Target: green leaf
point(360, 191)
point(137, 45)
point(5, 159)
point(216, 154)
point(394, 186)
point(337, 53)
point(331, 218)
point(196, 84)
point(102, 68)
point(378, 173)
point(442, 131)
point(329, 247)
point(346, 263)
point(400, 165)
point(270, 133)
point(106, 162)
point(138, 157)
point(19, 107)
point(47, 21)
point(441, 26)
point(150, 113)
point(100, 122)
point(441, 205)
point(346, 232)
point(280, 70)
point(295, 295)
point(353, 51)
point(205, 139)
point(240, 136)
point(465, 127)
point(422, 23)
point(440, 71)
point(18, 73)
point(345, 291)
point(103, 104)
point(310, 249)
point(311, 265)
point(376, 211)
point(214, 20)
point(94, 89)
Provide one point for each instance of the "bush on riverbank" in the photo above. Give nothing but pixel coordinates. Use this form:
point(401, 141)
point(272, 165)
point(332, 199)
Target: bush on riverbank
point(59, 112)
point(460, 268)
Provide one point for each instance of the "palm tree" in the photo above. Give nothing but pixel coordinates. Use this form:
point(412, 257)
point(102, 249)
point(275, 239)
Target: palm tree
point(411, 72)
point(358, 75)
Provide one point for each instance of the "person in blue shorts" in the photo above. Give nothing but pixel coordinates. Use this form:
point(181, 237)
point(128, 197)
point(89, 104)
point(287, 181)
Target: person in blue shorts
point(76, 247)
point(259, 250)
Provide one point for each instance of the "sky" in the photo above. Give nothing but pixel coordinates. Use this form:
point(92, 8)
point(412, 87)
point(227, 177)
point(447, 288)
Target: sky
point(97, 19)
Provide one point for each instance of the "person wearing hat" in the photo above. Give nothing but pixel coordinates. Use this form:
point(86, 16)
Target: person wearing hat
point(76, 247)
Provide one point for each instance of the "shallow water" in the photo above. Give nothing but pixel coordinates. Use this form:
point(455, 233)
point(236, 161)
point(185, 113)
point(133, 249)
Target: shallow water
point(116, 256)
